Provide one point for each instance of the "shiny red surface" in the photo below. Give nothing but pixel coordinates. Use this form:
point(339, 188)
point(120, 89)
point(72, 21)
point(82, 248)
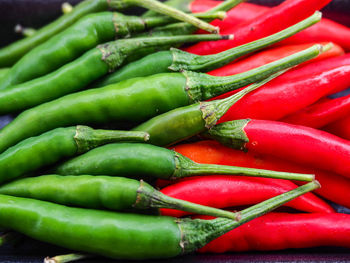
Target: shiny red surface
point(299, 144)
point(267, 23)
point(276, 231)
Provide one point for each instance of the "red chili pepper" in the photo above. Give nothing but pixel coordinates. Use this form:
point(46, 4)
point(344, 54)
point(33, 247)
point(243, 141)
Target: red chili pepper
point(276, 231)
point(334, 187)
point(297, 143)
point(321, 113)
point(340, 128)
point(267, 23)
point(270, 55)
point(326, 30)
point(222, 191)
point(287, 94)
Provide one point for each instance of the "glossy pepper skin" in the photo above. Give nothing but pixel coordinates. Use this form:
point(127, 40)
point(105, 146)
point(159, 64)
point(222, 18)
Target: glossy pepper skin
point(12, 53)
point(337, 187)
point(101, 192)
point(138, 99)
point(77, 74)
point(85, 34)
point(285, 231)
point(321, 113)
point(37, 152)
point(185, 122)
point(297, 143)
point(122, 235)
point(176, 60)
point(148, 161)
point(290, 92)
point(267, 23)
point(340, 128)
point(232, 191)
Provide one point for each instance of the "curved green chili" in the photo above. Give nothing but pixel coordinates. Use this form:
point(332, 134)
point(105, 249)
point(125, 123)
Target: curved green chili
point(135, 100)
point(12, 53)
point(48, 148)
point(136, 160)
point(185, 122)
point(122, 235)
point(69, 44)
point(77, 74)
point(177, 60)
point(101, 192)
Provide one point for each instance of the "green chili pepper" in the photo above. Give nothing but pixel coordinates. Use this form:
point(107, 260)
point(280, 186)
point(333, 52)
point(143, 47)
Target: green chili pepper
point(48, 148)
point(182, 5)
point(12, 53)
point(76, 75)
point(84, 35)
point(3, 72)
point(135, 100)
point(121, 235)
point(185, 122)
point(145, 161)
point(101, 192)
point(176, 60)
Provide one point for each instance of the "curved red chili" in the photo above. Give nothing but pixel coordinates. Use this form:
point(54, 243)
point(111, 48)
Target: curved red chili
point(297, 143)
point(265, 24)
point(276, 231)
point(270, 55)
point(321, 113)
point(340, 128)
point(221, 191)
point(335, 187)
point(326, 30)
point(288, 94)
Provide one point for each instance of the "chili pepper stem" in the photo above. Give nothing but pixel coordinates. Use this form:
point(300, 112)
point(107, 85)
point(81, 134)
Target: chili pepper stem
point(189, 168)
point(148, 197)
point(206, 232)
point(215, 86)
point(115, 52)
point(166, 10)
point(214, 110)
point(87, 138)
point(66, 258)
point(226, 5)
point(188, 61)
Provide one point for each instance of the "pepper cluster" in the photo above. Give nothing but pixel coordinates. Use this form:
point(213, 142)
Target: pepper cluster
point(259, 91)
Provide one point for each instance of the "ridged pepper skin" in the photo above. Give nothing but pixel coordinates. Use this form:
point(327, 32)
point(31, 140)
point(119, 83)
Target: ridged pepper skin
point(285, 231)
point(11, 54)
point(77, 74)
point(133, 100)
point(37, 152)
point(111, 234)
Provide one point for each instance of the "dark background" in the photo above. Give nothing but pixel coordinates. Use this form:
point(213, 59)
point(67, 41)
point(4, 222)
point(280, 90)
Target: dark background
point(35, 13)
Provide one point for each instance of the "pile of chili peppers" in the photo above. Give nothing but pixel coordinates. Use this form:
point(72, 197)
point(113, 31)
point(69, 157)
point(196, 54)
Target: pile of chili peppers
point(114, 118)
